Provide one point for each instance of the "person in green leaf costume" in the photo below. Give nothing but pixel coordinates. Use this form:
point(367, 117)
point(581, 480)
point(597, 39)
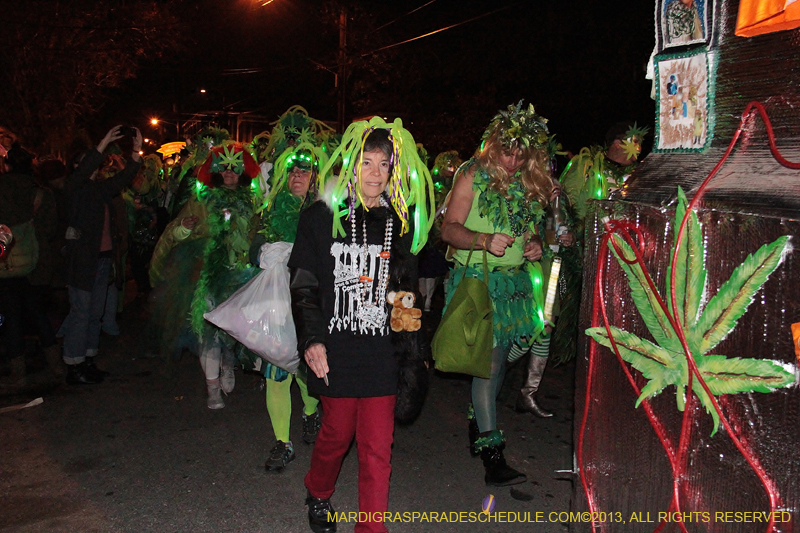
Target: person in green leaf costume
point(183, 181)
point(594, 174)
point(597, 171)
point(294, 183)
point(497, 203)
point(202, 258)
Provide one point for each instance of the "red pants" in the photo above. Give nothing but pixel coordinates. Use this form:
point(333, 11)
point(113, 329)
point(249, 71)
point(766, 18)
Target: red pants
point(371, 421)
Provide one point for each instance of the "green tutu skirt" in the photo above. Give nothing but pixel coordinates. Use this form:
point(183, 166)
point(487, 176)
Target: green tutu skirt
point(517, 300)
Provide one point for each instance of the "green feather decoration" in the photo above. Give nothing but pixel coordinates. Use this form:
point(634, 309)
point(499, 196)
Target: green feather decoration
point(225, 256)
point(280, 222)
point(512, 212)
point(664, 362)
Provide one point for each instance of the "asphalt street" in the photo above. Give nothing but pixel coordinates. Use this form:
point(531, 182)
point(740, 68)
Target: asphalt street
point(142, 453)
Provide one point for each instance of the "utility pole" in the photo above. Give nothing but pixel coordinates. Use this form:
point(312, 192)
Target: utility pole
point(342, 76)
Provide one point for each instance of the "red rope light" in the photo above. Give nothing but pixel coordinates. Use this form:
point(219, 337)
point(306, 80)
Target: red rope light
point(677, 459)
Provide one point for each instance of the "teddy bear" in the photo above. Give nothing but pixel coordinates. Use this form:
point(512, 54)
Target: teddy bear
point(405, 317)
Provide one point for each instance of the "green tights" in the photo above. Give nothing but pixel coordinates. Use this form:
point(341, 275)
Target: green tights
point(279, 403)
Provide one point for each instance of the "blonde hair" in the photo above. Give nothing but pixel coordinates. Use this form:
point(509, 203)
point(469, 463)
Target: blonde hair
point(535, 174)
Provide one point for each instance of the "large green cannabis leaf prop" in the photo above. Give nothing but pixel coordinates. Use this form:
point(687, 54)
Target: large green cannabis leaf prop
point(664, 362)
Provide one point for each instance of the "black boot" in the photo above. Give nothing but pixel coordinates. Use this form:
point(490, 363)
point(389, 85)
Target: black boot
point(319, 510)
point(498, 473)
point(80, 375)
point(93, 370)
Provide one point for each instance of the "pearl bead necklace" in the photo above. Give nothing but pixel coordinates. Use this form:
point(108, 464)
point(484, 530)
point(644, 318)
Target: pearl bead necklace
point(373, 313)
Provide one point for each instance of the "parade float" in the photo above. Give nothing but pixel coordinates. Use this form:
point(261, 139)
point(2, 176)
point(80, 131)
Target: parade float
point(687, 404)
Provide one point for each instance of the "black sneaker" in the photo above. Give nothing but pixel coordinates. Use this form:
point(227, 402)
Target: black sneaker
point(311, 425)
point(321, 516)
point(80, 375)
point(281, 455)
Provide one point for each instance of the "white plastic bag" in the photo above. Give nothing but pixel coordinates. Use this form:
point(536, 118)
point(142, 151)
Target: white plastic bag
point(259, 314)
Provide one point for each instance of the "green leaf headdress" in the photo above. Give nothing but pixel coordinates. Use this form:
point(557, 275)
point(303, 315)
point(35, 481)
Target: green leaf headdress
point(229, 157)
point(292, 128)
point(632, 143)
point(518, 127)
point(409, 183)
point(204, 141)
point(306, 156)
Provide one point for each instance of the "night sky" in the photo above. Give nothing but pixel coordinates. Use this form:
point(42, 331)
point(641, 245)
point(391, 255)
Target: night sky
point(581, 63)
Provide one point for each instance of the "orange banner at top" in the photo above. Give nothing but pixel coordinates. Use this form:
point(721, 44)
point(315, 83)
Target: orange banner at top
point(757, 17)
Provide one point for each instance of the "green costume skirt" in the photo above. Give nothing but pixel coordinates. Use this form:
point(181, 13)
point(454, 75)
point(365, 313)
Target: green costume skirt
point(517, 300)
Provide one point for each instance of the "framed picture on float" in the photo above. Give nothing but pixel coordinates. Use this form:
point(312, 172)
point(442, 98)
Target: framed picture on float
point(682, 22)
point(685, 102)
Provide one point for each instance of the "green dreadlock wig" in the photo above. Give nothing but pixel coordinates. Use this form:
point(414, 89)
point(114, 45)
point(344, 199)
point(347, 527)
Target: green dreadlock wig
point(409, 183)
point(305, 155)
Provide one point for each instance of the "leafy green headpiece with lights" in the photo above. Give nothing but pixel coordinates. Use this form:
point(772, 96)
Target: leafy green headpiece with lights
point(518, 127)
point(204, 141)
point(294, 127)
point(305, 155)
point(228, 158)
point(410, 186)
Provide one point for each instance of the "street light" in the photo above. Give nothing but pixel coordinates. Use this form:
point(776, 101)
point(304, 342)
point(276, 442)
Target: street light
point(156, 121)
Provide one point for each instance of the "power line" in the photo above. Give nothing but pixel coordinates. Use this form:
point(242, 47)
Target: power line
point(443, 29)
point(401, 16)
point(261, 69)
point(254, 70)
